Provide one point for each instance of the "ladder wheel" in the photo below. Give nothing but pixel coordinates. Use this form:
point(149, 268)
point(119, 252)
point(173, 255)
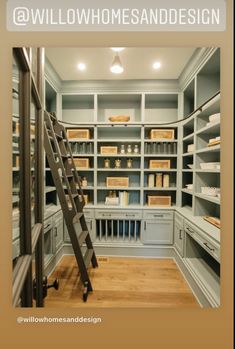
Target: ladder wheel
point(85, 292)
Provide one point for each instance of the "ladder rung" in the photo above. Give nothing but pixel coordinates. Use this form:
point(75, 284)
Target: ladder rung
point(87, 257)
point(52, 116)
point(77, 217)
point(58, 136)
point(82, 237)
point(68, 176)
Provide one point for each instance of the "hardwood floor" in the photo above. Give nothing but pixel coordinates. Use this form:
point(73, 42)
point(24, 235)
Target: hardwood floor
point(122, 282)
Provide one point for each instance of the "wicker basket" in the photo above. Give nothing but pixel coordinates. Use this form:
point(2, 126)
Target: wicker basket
point(119, 118)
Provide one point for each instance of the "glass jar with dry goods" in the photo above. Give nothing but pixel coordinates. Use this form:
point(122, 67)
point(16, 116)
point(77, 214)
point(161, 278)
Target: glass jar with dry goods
point(84, 182)
point(129, 163)
point(166, 180)
point(106, 163)
point(136, 149)
point(122, 149)
point(117, 163)
point(151, 180)
point(129, 149)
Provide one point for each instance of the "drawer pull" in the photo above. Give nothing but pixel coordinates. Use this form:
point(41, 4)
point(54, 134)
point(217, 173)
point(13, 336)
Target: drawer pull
point(47, 226)
point(158, 215)
point(144, 225)
point(190, 231)
point(130, 215)
point(106, 215)
point(180, 234)
point(211, 249)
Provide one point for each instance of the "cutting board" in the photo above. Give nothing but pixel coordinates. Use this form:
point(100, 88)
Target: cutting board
point(213, 220)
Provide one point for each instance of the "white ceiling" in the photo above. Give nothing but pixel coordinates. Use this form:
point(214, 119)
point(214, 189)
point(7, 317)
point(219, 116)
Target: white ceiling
point(137, 62)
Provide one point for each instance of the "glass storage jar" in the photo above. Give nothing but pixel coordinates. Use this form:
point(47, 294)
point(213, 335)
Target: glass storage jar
point(129, 163)
point(84, 182)
point(122, 149)
point(106, 163)
point(117, 163)
point(129, 149)
point(136, 149)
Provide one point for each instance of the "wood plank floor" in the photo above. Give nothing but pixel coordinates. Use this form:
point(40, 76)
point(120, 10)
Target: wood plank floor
point(122, 282)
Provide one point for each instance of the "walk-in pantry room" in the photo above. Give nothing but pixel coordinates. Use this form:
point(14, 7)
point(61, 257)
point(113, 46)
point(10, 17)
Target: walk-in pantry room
point(116, 177)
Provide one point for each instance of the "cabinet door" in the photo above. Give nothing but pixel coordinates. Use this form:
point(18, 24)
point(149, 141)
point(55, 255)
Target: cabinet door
point(160, 232)
point(58, 230)
point(179, 239)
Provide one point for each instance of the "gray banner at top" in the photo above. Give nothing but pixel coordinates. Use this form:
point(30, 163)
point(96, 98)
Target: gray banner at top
point(104, 15)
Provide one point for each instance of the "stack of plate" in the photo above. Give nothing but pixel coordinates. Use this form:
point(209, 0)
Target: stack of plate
point(210, 191)
point(210, 165)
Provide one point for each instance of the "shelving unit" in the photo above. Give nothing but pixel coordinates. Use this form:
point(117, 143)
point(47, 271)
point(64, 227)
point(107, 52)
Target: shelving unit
point(124, 136)
point(200, 132)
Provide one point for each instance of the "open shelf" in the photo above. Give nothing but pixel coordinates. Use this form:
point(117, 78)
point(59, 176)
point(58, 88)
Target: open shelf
point(119, 104)
point(161, 107)
point(208, 79)
point(78, 108)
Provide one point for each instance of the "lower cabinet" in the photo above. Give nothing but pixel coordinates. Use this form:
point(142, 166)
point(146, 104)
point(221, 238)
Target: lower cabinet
point(53, 236)
point(179, 235)
point(202, 256)
point(158, 227)
point(58, 230)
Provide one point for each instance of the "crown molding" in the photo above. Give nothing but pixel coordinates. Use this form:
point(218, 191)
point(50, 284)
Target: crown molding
point(118, 86)
point(197, 61)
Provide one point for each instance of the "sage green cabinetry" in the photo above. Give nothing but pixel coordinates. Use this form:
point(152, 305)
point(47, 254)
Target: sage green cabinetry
point(157, 227)
point(179, 235)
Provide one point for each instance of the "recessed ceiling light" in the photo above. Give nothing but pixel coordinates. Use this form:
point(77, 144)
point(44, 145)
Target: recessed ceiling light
point(157, 65)
point(81, 66)
point(117, 49)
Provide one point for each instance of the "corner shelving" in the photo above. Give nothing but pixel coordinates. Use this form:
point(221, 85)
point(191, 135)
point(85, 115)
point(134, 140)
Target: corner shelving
point(198, 130)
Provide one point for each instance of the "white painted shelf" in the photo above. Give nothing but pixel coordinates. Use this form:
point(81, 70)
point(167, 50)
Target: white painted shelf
point(215, 148)
point(214, 199)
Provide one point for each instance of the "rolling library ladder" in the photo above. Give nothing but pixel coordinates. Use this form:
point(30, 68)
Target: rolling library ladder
point(68, 186)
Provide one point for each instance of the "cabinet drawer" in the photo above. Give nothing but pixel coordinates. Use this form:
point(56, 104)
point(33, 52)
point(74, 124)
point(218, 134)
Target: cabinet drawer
point(200, 237)
point(129, 215)
point(179, 220)
point(158, 214)
point(48, 224)
point(89, 213)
